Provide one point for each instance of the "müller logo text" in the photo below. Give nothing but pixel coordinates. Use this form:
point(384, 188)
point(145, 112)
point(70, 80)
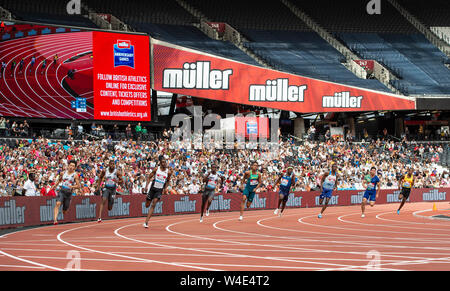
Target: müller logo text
point(277, 90)
point(342, 100)
point(197, 75)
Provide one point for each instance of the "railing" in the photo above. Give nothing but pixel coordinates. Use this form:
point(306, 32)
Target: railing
point(442, 32)
point(5, 14)
point(208, 30)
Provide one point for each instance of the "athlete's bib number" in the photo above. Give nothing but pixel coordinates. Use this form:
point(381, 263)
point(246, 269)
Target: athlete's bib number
point(159, 181)
point(211, 184)
point(110, 183)
point(284, 182)
point(253, 182)
point(371, 186)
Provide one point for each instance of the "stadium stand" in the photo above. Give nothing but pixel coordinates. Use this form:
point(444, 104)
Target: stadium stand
point(270, 15)
point(47, 11)
point(351, 16)
point(387, 38)
point(418, 63)
point(306, 54)
point(192, 37)
point(430, 12)
point(136, 11)
point(285, 41)
point(168, 21)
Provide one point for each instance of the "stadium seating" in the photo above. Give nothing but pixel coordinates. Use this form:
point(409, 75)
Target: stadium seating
point(268, 15)
point(282, 39)
point(418, 63)
point(45, 11)
point(167, 20)
point(306, 54)
point(351, 16)
point(192, 37)
point(137, 11)
point(430, 12)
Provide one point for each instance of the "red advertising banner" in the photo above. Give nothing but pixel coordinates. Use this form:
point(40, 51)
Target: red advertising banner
point(218, 26)
point(105, 16)
point(189, 72)
point(366, 64)
point(121, 76)
point(30, 211)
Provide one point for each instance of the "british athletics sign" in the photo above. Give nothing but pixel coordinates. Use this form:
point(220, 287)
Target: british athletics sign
point(188, 72)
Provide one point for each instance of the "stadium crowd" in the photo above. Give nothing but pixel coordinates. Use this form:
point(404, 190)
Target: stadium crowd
point(30, 166)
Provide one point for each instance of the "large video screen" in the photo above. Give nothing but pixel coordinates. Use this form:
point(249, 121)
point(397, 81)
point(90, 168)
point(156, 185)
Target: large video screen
point(66, 73)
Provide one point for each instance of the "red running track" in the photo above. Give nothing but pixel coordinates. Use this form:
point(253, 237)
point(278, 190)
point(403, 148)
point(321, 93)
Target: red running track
point(298, 240)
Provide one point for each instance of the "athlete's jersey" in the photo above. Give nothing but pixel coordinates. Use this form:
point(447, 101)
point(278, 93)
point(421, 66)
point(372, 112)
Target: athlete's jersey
point(329, 182)
point(285, 184)
point(110, 178)
point(160, 178)
point(252, 181)
point(407, 182)
point(372, 185)
point(212, 181)
point(68, 180)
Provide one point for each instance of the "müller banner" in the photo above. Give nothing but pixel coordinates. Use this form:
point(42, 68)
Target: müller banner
point(188, 72)
point(31, 211)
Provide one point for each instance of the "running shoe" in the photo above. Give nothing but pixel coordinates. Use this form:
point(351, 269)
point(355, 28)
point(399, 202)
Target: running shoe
point(145, 225)
point(320, 215)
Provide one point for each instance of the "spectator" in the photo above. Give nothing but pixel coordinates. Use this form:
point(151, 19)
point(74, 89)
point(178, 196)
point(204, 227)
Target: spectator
point(128, 131)
point(138, 130)
point(47, 189)
point(29, 188)
point(2, 126)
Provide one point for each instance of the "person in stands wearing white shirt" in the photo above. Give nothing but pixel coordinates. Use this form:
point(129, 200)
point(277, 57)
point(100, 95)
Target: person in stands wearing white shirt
point(29, 187)
point(193, 188)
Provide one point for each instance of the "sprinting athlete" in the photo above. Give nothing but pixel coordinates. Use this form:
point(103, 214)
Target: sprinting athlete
point(371, 193)
point(252, 180)
point(161, 175)
point(209, 190)
point(111, 176)
point(328, 184)
point(406, 183)
point(286, 181)
point(70, 181)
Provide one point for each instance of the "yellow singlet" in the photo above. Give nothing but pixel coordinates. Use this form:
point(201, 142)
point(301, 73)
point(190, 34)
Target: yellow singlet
point(407, 182)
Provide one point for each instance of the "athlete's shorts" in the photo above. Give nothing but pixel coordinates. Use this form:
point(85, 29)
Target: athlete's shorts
point(154, 193)
point(64, 196)
point(405, 192)
point(370, 195)
point(209, 193)
point(109, 193)
point(249, 194)
point(326, 193)
point(285, 195)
